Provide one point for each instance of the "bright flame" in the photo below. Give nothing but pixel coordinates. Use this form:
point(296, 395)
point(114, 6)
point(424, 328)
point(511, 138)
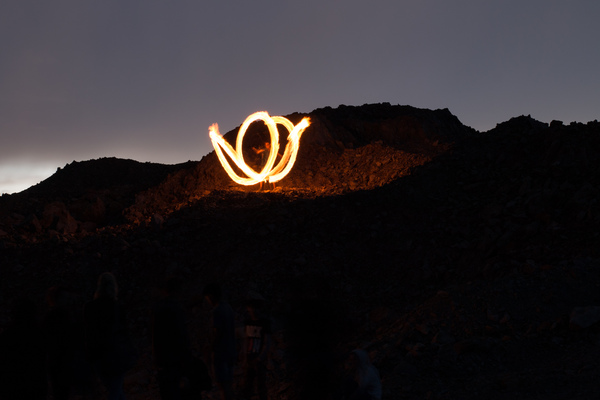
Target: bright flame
point(270, 172)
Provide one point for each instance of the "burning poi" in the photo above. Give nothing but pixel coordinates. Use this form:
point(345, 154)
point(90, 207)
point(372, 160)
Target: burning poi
point(270, 172)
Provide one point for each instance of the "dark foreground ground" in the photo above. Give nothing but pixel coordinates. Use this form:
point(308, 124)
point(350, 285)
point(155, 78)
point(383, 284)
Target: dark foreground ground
point(466, 263)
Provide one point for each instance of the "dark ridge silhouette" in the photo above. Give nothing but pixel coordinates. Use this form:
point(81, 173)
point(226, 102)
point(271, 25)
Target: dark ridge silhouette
point(345, 149)
point(75, 178)
point(465, 263)
point(85, 195)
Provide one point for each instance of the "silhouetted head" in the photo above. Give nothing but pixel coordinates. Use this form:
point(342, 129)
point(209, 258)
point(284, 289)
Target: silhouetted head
point(107, 286)
point(213, 292)
point(254, 299)
point(364, 372)
point(361, 359)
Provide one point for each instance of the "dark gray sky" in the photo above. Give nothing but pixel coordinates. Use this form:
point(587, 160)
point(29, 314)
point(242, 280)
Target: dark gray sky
point(84, 79)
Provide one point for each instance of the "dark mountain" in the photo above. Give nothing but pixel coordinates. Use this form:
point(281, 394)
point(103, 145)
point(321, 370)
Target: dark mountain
point(466, 263)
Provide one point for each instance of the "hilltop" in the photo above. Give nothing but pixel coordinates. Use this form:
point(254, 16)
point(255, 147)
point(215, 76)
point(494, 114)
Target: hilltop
point(465, 262)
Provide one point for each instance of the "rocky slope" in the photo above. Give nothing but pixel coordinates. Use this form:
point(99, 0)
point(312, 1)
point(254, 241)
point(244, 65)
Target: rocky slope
point(466, 263)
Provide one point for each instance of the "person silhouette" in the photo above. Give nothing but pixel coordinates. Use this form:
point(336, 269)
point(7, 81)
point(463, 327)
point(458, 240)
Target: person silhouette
point(263, 153)
point(222, 339)
point(22, 355)
point(108, 345)
point(315, 325)
point(170, 341)
point(257, 341)
point(362, 381)
point(60, 337)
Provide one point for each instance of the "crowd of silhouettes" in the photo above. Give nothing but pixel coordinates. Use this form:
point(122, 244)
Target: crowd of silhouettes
point(59, 353)
point(63, 354)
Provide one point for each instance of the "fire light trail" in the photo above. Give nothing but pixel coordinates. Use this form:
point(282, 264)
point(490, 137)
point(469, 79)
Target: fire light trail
point(270, 172)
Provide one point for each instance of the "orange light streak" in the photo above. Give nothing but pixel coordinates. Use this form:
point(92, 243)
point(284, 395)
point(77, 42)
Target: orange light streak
point(270, 172)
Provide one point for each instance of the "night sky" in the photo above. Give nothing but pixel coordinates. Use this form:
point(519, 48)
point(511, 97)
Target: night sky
point(144, 79)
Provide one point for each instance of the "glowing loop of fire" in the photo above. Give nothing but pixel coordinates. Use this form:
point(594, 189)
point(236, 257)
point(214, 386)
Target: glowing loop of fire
point(270, 172)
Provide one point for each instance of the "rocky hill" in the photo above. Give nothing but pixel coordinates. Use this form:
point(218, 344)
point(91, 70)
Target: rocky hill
point(465, 262)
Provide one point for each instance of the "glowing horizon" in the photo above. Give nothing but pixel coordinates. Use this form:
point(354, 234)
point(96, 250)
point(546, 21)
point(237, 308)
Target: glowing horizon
point(18, 176)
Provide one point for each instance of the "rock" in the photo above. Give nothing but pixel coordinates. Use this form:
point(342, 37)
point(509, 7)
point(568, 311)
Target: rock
point(157, 221)
point(442, 338)
point(378, 314)
point(584, 317)
point(473, 345)
point(57, 217)
point(18, 267)
point(32, 224)
point(415, 350)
